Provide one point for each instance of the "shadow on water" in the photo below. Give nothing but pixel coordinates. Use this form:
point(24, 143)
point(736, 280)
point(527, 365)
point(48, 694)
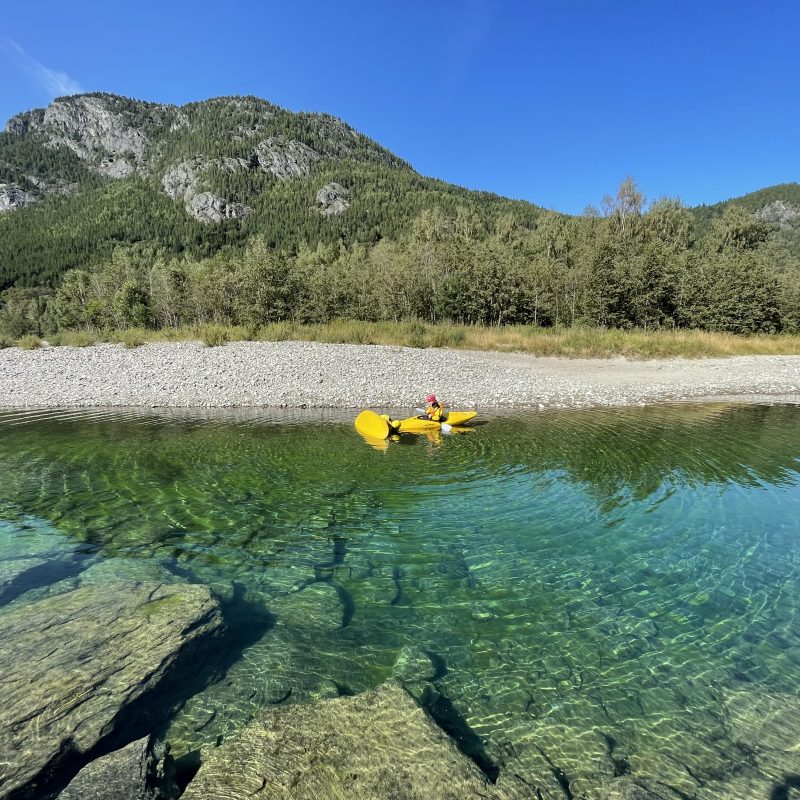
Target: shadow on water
point(324, 573)
point(439, 666)
point(397, 575)
point(44, 575)
point(441, 710)
point(199, 664)
point(783, 791)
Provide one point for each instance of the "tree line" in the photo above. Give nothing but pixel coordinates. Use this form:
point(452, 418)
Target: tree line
point(626, 266)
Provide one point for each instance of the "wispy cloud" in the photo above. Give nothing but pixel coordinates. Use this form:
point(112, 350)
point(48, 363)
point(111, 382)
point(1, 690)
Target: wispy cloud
point(470, 28)
point(53, 82)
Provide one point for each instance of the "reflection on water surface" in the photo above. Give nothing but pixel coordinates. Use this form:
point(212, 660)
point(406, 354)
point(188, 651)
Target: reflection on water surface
point(589, 592)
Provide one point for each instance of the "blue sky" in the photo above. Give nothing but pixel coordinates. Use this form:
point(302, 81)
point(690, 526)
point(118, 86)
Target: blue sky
point(551, 102)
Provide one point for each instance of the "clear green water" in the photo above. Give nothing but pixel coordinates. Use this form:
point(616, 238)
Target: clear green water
point(593, 592)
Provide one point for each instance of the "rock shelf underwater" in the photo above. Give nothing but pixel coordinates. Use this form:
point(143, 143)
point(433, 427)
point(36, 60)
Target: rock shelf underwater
point(582, 601)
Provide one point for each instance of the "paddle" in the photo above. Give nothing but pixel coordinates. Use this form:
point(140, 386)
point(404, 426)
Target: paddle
point(444, 426)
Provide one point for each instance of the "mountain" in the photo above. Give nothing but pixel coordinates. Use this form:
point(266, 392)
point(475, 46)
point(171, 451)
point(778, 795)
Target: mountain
point(238, 212)
point(95, 170)
point(778, 205)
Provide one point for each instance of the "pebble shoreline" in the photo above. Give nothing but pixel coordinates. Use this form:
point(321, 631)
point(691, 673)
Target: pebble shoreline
point(315, 375)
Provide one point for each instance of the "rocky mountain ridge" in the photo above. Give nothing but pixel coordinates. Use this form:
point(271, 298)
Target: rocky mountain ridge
point(13, 197)
point(116, 138)
point(97, 129)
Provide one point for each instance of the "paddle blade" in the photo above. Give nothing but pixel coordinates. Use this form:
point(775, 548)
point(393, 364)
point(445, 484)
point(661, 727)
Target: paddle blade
point(371, 424)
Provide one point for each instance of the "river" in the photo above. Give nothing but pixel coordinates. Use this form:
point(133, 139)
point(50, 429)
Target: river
point(585, 593)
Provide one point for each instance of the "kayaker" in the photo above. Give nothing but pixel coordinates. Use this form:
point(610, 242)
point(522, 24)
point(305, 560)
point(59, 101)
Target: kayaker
point(435, 409)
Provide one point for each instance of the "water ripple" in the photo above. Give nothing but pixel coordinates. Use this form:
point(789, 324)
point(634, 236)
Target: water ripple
point(591, 589)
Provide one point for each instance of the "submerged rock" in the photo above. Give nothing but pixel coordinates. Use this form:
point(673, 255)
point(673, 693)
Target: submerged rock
point(32, 578)
point(415, 670)
point(318, 606)
point(73, 668)
point(121, 775)
point(377, 744)
point(34, 555)
point(766, 727)
point(12, 571)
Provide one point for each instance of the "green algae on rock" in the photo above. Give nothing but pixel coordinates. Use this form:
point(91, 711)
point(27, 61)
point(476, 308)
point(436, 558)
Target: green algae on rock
point(72, 665)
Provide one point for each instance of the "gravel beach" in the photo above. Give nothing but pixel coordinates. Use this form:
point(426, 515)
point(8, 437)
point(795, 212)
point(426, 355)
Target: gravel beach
point(313, 375)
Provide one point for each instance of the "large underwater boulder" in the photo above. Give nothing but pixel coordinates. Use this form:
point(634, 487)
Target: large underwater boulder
point(376, 744)
point(77, 667)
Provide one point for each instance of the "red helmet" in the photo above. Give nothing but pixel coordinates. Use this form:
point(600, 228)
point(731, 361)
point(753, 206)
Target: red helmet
point(431, 398)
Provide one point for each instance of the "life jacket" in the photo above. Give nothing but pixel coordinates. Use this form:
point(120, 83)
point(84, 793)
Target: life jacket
point(435, 411)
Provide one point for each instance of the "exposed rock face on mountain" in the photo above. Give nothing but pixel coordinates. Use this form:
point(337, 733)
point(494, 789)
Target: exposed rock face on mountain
point(341, 141)
point(13, 197)
point(181, 181)
point(75, 664)
point(184, 181)
point(378, 744)
point(277, 156)
point(26, 122)
point(284, 158)
point(209, 207)
point(333, 198)
point(123, 139)
point(98, 130)
point(779, 213)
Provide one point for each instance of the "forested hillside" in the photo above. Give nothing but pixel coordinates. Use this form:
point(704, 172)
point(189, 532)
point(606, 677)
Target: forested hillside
point(98, 171)
point(118, 213)
point(777, 205)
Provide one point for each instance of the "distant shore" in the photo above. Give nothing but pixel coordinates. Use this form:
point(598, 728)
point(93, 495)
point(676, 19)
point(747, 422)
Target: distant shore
point(315, 375)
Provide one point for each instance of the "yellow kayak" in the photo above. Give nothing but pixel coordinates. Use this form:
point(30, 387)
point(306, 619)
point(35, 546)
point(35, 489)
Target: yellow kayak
point(453, 419)
point(380, 426)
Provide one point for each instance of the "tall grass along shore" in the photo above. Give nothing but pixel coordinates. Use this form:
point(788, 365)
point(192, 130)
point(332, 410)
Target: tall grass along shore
point(573, 342)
